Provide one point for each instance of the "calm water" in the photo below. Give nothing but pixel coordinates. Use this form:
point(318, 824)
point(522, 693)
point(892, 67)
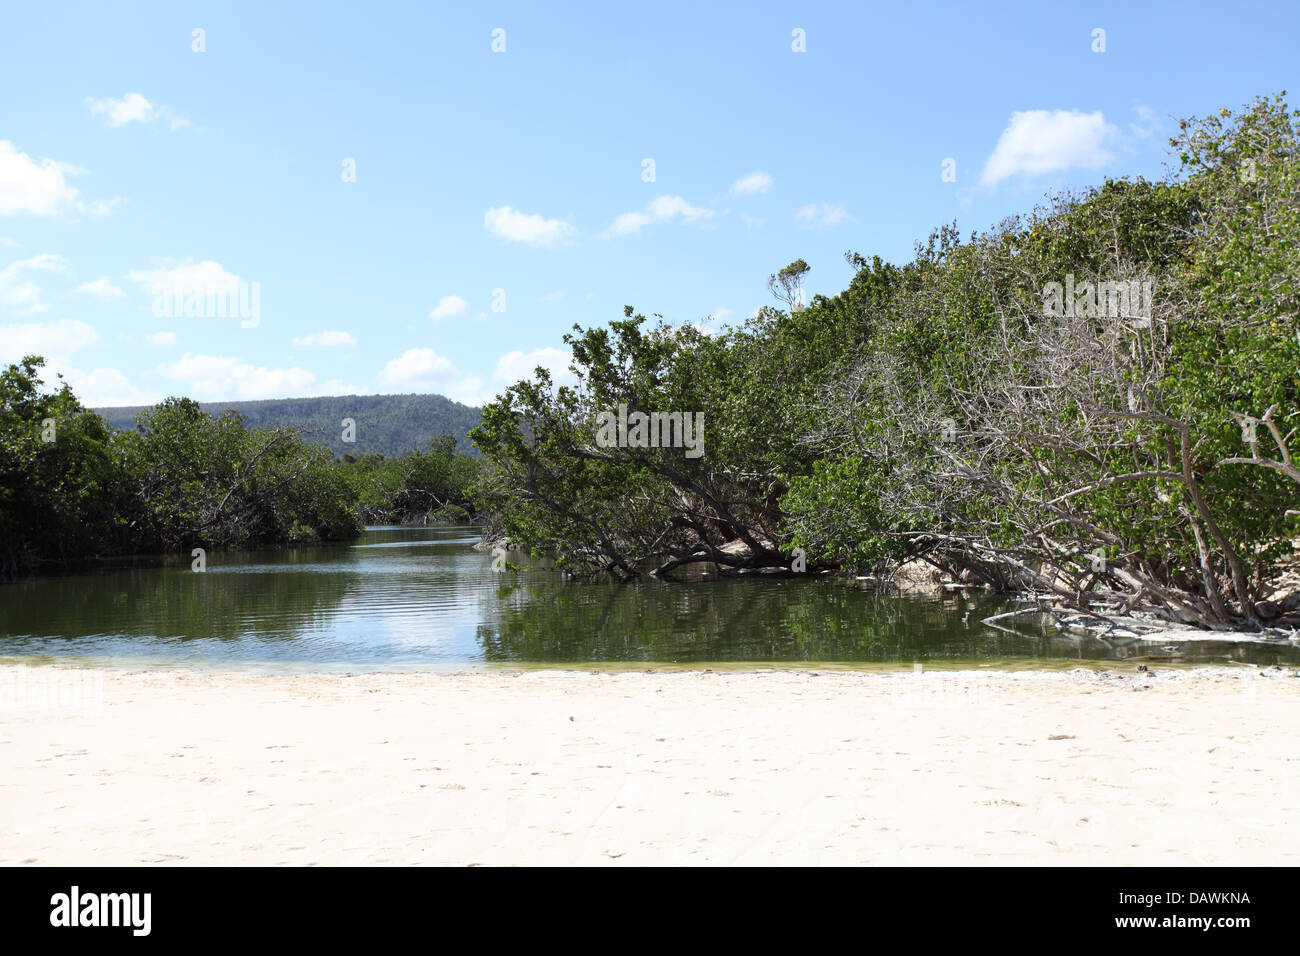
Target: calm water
point(406, 598)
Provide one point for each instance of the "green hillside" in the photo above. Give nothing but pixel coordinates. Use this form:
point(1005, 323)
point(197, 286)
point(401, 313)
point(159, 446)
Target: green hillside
point(390, 424)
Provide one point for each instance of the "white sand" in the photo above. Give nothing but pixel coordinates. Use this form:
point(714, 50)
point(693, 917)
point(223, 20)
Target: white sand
point(565, 767)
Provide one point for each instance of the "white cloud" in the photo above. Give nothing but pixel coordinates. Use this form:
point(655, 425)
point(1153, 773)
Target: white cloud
point(29, 186)
point(822, 215)
point(47, 261)
point(754, 222)
point(713, 324)
point(626, 224)
point(102, 289)
point(469, 391)
point(21, 294)
point(328, 339)
point(530, 228)
point(419, 369)
point(424, 370)
point(517, 365)
point(215, 378)
point(103, 207)
point(448, 306)
point(106, 387)
point(755, 182)
point(1148, 122)
point(555, 296)
point(162, 339)
point(54, 340)
point(133, 108)
point(186, 278)
point(662, 209)
point(1046, 141)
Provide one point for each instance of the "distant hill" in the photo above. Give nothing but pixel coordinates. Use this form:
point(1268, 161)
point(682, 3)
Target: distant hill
point(390, 424)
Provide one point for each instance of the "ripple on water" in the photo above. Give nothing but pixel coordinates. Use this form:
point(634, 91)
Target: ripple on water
point(425, 598)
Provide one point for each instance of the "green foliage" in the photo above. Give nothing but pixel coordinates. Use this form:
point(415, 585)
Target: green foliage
point(72, 490)
point(937, 409)
point(199, 480)
point(420, 487)
point(56, 496)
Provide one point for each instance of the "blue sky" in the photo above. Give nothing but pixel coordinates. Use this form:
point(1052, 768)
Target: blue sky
point(131, 165)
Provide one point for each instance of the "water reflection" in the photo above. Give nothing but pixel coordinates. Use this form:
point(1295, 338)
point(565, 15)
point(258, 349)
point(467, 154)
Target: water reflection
point(424, 598)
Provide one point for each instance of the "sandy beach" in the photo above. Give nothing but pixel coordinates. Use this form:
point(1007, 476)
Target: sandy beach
point(105, 766)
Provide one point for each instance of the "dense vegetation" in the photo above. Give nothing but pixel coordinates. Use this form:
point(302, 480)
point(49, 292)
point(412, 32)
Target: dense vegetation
point(420, 487)
point(1095, 401)
point(73, 489)
point(386, 425)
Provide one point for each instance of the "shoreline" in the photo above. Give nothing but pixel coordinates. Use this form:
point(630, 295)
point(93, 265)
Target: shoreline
point(1075, 669)
point(809, 765)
